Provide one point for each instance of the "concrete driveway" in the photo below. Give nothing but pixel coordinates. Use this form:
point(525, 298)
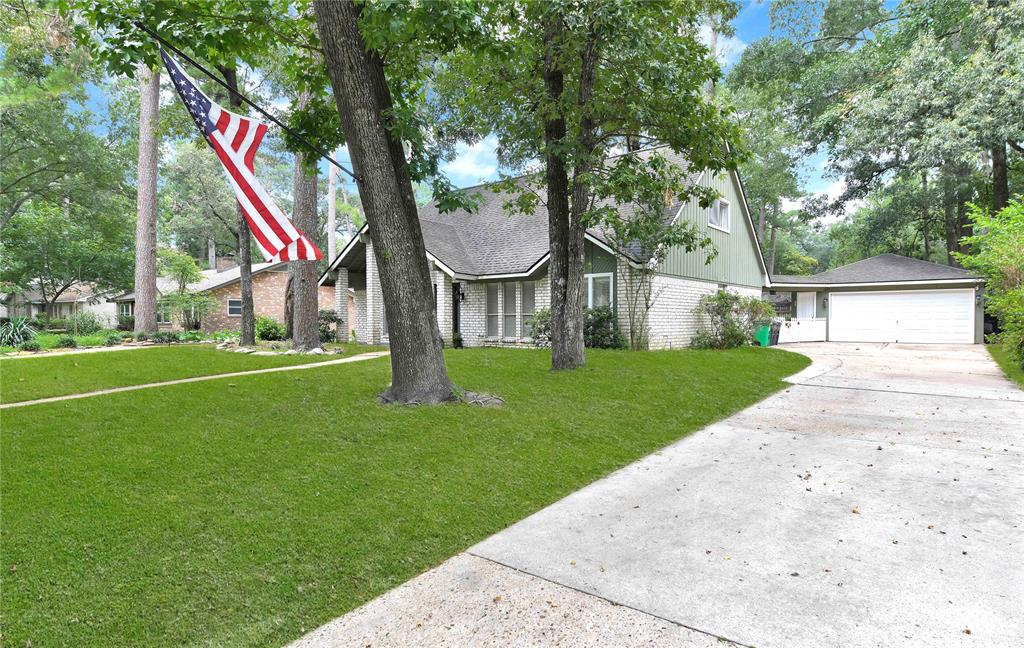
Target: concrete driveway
point(877, 502)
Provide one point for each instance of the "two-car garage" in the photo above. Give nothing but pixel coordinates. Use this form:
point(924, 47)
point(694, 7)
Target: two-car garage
point(925, 316)
point(887, 298)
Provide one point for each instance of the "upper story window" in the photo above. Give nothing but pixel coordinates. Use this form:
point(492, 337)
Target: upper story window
point(719, 216)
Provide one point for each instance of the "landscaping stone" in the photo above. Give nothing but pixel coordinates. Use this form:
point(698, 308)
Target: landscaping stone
point(290, 352)
point(483, 400)
point(316, 351)
point(265, 353)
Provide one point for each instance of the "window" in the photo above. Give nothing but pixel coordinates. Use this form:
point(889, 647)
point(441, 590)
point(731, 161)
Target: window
point(492, 309)
point(527, 306)
point(599, 290)
point(508, 324)
point(163, 313)
point(719, 215)
point(235, 307)
point(126, 309)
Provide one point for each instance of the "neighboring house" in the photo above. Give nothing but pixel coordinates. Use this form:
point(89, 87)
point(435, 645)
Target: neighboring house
point(269, 281)
point(490, 270)
point(887, 298)
point(78, 298)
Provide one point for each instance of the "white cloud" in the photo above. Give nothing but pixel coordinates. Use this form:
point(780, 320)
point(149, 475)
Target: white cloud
point(728, 48)
point(473, 163)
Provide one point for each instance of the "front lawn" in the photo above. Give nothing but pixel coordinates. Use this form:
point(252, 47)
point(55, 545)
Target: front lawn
point(1012, 369)
point(40, 377)
point(248, 511)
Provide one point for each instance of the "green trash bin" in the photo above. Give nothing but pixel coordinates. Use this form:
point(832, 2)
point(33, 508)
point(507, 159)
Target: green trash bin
point(763, 336)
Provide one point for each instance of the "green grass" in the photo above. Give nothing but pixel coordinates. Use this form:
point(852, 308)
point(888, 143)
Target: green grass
point(1012, 369)
point(40, 377)
point(246, 512)
point(48, 341)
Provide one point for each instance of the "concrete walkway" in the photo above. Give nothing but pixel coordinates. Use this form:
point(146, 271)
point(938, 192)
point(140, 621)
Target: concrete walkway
point(235, 374)
point(877, 502)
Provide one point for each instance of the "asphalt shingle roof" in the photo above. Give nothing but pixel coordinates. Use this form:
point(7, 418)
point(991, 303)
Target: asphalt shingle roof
point(211, 279)
point(881, 268)
point(490, 241)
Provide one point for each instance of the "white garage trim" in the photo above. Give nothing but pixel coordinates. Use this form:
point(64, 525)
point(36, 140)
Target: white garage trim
point(911, 316)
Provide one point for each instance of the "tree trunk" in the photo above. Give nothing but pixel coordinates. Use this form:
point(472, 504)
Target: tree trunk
point(302, 275)
point(949, 211)
point(145, 227)
point(248, 332)
point(360, 89)
point(760, 227)
point(1000, 179)
point(926, 218)
point(771, 253)
point(211, 253)
point(566, 264)
point(289, 306)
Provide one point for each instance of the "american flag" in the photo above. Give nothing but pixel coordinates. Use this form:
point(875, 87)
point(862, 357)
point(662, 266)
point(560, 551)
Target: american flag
point(235, 139)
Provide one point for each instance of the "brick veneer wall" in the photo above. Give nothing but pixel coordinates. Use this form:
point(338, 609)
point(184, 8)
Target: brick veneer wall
point(268, 297)
point(671, 319)
point(474, 312)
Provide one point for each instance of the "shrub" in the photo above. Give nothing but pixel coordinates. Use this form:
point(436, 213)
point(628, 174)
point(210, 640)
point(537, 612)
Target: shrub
point(540, 327)
point(268, 329)
point(15, 331)
point(166, 337)
point(30, 345)
point(729, 320)
point(192, 336)
point(141, 336)
point(83, 323)
point(601, 329)
point(225, 336)
point(112, 339)
point(66, 342)
point(56, 324)
point(125, 323)
point(456, 340)
point(327, 322)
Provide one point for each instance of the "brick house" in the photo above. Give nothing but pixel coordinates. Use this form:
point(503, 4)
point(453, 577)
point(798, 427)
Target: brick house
point(490, 270)
point(269, 281)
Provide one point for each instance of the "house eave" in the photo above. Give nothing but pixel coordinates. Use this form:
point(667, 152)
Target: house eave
point(868, 284)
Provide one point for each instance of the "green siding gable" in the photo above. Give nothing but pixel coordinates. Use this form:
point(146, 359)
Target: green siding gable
point(737, 260)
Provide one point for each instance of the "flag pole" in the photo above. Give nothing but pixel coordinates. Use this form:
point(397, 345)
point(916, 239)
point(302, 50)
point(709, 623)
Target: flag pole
point(316, 149)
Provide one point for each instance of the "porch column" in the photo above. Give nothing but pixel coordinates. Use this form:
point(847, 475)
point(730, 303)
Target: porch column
point(444, 305)
point(341, 303)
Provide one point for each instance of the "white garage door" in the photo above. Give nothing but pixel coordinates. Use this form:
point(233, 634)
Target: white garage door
point(902, 316)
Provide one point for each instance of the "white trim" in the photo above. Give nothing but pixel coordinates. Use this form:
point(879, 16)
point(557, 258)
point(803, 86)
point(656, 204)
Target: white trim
point(590, 276)
point(445, 269)
point(868, 284)
point(753, 230)
point(717, 205)
point(341, 255)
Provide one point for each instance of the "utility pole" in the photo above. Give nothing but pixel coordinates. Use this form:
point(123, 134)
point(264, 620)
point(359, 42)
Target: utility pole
point(332, 208)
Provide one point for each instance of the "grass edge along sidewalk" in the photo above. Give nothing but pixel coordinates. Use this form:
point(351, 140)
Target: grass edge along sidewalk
point(24, 379)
